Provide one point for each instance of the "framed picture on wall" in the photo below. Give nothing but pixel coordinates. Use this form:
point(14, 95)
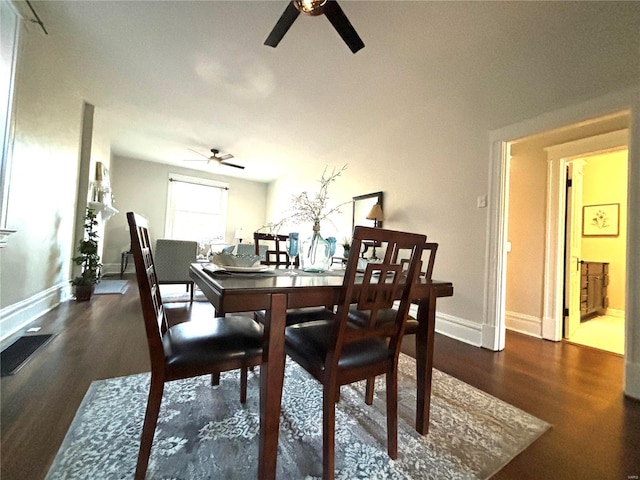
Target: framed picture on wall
point(102, 174)
point(601, 220)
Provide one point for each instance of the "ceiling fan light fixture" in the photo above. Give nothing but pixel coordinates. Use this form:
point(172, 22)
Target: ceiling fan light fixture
point(310, 7)
point(329, 8)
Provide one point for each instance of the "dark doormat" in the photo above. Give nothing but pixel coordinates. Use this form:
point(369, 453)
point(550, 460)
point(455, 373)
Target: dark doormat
point(18, 353)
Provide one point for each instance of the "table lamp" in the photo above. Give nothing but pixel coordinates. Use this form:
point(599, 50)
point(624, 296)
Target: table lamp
point(376, 215)
point(239, 235)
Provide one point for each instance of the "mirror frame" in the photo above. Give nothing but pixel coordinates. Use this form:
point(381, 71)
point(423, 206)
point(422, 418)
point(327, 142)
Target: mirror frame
point(361, 206)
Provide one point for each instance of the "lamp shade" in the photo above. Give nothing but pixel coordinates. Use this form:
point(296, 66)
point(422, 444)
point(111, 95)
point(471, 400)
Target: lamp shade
point(376, 213)
point(239, 234)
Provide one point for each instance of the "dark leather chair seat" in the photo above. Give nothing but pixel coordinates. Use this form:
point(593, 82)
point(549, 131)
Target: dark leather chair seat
point(309, 343)
point(210, 341)
point(298, 315)
point(386, 316)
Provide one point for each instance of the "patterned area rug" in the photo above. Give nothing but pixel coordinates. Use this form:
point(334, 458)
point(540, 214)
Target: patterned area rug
point(205, 433)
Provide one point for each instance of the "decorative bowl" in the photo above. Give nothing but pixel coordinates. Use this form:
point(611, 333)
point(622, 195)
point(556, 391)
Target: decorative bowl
point(224, 259)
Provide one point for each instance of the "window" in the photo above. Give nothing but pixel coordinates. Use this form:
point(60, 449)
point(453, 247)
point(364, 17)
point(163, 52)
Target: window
point(197, 209)
point(9, 33)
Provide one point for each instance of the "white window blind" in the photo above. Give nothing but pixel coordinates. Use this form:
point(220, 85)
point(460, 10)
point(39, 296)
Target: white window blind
point(196, 209)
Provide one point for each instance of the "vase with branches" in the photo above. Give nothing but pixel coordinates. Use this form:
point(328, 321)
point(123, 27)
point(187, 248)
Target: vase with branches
point(314, 208)
point(88, 259)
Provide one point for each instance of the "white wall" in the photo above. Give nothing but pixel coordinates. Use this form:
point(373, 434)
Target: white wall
point(142, 187)
point(35, 266)
point(605, 181)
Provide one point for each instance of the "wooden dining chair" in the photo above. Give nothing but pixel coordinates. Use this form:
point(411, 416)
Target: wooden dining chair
point(276, 253)
point(199, 346)
point(336, 352)
point(363, 318)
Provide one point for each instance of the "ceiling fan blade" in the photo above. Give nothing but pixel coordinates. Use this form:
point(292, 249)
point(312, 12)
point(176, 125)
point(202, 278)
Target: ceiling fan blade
point(201, 154)
point(343, 26)
point(225, 157)
point(231, 165)
point(282, 26)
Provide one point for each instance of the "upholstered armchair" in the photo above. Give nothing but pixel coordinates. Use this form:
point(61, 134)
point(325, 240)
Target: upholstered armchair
point(250, 249)
point(172, 259)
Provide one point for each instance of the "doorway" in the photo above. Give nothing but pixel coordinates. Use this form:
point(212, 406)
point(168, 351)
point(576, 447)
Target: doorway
point(595, 253)
point(536, 203)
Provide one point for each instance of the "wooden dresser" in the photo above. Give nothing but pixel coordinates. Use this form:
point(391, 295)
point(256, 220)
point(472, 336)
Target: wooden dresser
point(593, 289)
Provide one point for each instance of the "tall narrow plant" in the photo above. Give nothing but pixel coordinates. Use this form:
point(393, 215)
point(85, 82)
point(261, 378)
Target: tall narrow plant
point(88, 256)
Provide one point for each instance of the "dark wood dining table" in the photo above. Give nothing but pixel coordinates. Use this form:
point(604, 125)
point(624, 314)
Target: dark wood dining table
point(275, 291)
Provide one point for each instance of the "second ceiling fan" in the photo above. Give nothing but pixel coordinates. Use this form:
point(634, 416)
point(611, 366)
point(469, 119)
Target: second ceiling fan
point(222, 160)
point(328, 8)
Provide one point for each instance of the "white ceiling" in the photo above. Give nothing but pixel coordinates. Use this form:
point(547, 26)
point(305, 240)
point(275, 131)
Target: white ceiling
point(170, 76)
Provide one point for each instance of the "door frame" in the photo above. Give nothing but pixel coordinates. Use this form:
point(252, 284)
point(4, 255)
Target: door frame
point(558, 157)
point(573, 247)
point(494, 328)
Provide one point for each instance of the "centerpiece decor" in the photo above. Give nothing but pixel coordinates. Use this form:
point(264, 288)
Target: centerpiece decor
point(315, 251)
point(88, 258)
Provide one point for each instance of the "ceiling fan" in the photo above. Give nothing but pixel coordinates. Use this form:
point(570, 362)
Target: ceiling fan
point(222, 160)
point(329, 8)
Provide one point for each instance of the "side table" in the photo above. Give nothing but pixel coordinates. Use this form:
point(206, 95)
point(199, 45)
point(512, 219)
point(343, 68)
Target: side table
point(124, 261)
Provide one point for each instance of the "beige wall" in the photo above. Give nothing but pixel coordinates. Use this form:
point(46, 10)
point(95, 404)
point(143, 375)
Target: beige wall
point(527, 204)
point(142, 187)
point(527, 219)
point(44, 179)
point(605, 181)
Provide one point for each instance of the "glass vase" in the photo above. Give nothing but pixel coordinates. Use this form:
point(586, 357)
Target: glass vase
point(315, 252)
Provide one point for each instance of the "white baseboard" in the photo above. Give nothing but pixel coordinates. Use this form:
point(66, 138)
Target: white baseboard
point(17, 316)
point(490, 338)
point(455, 327)
point(459, 328)
point(114, 268)
point(632, 379)
point(615, 313)
point(522, 323)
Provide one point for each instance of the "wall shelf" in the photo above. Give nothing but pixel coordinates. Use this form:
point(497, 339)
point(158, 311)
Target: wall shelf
point(105, 211)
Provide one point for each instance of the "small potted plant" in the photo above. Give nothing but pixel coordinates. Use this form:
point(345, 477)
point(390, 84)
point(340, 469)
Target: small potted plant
point(88, 259)
point(346, 246)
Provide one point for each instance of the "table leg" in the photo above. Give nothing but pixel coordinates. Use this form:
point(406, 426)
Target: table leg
point(271, 381)
point(123, 257)
point(424, 360)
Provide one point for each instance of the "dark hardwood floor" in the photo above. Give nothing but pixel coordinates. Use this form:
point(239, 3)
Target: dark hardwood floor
point(595, 432)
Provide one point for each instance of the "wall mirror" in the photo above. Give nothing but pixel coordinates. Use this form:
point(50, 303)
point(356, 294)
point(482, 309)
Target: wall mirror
point(362, 205)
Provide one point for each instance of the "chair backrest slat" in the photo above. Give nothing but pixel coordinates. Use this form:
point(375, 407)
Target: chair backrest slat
point(430, 249)
point(377, 288)
point(276, 253)
point(155, 319)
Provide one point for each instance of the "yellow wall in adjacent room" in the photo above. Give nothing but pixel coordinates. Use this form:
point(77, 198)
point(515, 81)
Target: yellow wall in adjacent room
point(605, 182)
